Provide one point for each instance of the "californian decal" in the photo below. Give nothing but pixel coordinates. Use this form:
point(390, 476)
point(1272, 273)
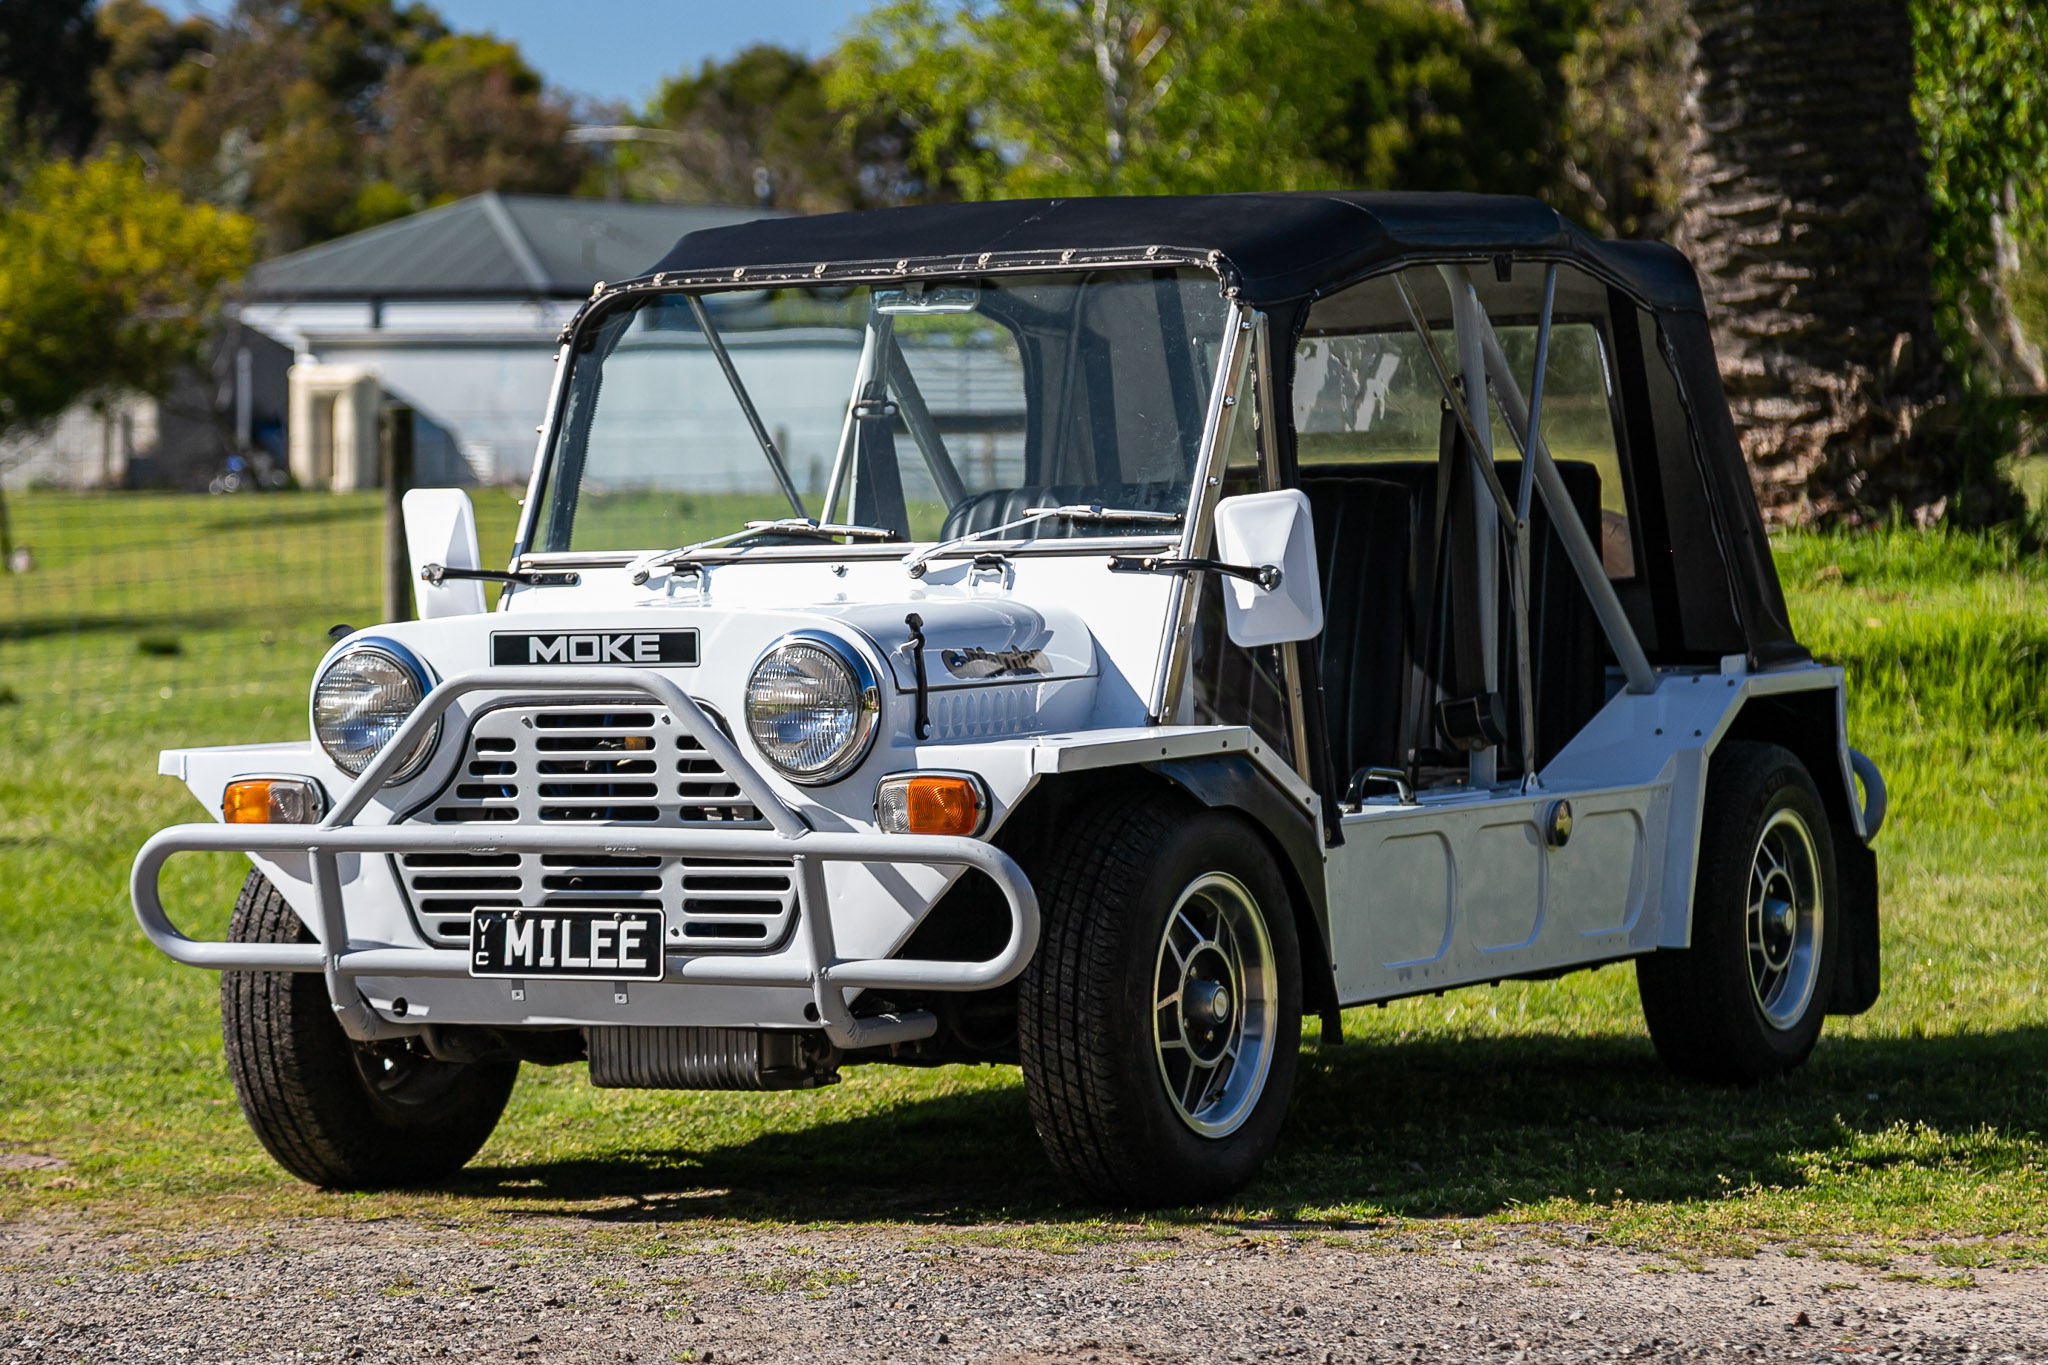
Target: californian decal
point(521, 649)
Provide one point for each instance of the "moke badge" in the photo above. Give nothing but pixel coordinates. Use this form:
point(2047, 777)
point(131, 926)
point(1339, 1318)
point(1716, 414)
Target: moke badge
point(646, 647)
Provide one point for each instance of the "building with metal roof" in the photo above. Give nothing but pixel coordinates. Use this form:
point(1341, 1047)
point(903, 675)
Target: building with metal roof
point(452, 312)
point(491, 246)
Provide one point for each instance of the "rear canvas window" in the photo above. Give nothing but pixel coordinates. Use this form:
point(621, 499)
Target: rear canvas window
point(1371, 395)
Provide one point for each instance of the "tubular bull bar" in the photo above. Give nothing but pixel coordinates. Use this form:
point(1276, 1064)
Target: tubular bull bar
point(818, 967)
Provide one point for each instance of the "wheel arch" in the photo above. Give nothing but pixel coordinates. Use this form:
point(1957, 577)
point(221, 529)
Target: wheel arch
point(968, 922)
point(1809, 724)
point(1234, 782)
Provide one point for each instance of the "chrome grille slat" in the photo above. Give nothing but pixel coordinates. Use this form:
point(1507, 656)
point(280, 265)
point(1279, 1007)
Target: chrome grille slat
point(548, 763)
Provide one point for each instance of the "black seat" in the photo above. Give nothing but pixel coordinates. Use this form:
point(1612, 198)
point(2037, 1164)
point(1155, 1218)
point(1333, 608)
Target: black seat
point(1365, 536)
point(1382, 665)
point(1000, 506)
point(1568, 650)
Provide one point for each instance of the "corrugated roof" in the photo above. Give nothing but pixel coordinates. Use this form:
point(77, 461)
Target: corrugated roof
point(492, 245)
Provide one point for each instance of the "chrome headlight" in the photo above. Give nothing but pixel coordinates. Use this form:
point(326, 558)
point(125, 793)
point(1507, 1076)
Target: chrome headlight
point(811, 706)
point(364, 694)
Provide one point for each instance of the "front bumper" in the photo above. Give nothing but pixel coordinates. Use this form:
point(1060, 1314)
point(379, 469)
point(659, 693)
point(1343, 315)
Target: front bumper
point(816, 967)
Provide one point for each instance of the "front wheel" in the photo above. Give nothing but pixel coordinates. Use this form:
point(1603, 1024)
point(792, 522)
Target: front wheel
point(1746, 1001)
point(333, 1111)
point(1160, 1020)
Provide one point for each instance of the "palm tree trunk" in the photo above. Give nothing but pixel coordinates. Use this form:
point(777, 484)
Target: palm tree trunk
point(1806, 215)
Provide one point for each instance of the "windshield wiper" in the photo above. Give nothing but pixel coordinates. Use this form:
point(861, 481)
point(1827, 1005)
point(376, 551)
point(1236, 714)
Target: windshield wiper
point(1077, 511)
point(643, 568)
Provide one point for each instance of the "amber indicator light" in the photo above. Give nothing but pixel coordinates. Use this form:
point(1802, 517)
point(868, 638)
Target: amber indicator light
point(271, 801)
point(247, 803)
point(941, 805)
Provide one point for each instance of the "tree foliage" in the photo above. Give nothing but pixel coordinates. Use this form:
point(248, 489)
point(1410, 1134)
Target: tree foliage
point(48, 52)
point(760, 128)
point(1191, 96)
point(319, 117)
point(1437, 98)
point(1981, 99)
point(470, 115)
point(1626, 124)
point(107, 280)
point(1090, 96)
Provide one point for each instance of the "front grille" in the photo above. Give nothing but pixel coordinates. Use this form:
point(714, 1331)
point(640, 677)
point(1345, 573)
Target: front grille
point(552, 764)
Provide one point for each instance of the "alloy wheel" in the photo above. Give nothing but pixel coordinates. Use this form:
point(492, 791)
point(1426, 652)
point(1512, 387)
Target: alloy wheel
point(1216, 1004)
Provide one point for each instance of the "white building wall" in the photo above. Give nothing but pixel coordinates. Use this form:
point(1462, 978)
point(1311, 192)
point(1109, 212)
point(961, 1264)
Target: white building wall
point(477, 369)
point(487, 394)
point(482, 370)
point(89, 446)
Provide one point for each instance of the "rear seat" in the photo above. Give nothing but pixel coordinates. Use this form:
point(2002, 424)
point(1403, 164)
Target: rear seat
point(1374, 525)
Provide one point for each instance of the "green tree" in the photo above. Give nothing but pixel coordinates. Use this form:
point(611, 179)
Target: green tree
point(1097, 96)
point(48, 52)
point(467, 115)
point(1981, 99)
point(1433, 97)
point(1193, 96)
point(759, 127)
point(1626, 128)
point(107, 281)
point(318, 117)
point(2029, 285)
point(154, 66)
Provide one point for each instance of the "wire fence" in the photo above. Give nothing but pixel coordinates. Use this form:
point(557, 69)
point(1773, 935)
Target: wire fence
point(111, 601)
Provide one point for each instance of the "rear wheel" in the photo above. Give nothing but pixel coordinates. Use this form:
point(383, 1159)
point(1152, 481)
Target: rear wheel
point(1160, 1019)
point(1747, 1000)
point(331, 1110)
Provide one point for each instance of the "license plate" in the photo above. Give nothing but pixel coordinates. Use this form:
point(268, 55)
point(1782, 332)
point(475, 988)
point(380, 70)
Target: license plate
point(585, 945)
point(523, 649)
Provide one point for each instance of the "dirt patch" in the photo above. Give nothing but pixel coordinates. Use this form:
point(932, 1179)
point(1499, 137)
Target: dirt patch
point(555, 1289)
point(31, 1161)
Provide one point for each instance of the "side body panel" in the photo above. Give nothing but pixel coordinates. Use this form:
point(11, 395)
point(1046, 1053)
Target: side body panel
point(1463, 887)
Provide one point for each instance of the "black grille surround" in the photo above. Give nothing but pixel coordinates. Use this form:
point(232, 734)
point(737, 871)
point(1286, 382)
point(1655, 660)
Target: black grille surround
point(625, 764)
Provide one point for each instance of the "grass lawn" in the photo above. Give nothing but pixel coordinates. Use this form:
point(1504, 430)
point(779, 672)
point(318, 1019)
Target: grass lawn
point(1925, 1119)
point(143, 598)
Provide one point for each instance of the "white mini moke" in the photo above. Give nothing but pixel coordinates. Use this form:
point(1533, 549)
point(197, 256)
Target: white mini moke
point(1083, 634)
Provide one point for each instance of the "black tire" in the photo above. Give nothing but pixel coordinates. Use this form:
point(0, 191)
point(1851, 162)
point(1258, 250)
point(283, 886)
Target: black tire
point(332, 1111)
point(1707, 1005)
point(1095, 1077)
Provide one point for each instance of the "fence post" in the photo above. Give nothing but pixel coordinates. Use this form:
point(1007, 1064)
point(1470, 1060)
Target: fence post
point(394, 451)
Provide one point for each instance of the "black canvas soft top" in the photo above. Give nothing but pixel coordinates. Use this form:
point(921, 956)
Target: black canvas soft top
point(1270, 249)
point(1280, 252)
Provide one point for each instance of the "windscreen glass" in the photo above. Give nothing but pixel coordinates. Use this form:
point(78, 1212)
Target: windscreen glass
point(921, 411)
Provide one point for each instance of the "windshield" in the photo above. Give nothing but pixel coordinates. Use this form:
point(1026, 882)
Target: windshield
point(927, 411)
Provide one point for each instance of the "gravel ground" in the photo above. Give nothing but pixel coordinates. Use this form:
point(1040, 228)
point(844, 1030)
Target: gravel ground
point(616, 1286)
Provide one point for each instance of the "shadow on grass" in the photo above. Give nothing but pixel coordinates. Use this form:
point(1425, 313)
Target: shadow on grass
point(110, 622)
point(1410, 1129)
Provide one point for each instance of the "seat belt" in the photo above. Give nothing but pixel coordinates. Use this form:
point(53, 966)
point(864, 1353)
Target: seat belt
point(1471, 717)
point(1429, 677)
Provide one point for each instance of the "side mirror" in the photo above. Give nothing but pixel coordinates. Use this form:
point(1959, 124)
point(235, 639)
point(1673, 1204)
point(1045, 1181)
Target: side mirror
point(440, 528)
point(1262, 530)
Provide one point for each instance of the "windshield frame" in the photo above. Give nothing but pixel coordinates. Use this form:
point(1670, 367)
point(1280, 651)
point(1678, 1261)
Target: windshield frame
point(595, 312)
